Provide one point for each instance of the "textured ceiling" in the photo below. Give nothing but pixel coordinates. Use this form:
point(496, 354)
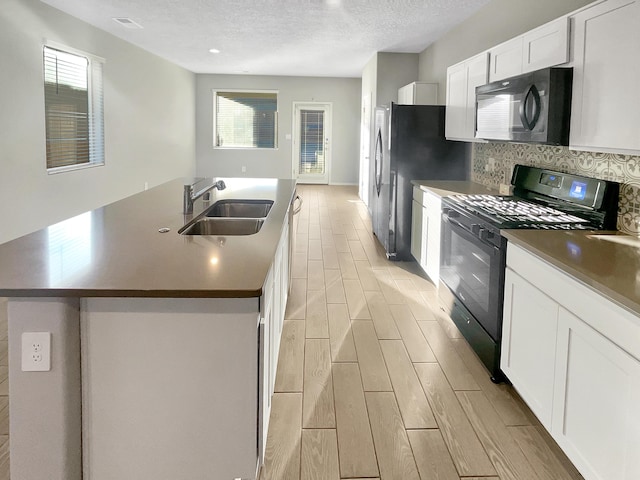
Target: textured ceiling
point(332, 38)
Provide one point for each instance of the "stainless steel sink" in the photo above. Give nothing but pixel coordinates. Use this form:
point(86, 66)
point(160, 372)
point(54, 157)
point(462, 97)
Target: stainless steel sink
point(222, 226)
point(240, 208)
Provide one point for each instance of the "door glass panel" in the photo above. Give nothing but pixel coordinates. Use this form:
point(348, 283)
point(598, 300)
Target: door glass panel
point(312, 154)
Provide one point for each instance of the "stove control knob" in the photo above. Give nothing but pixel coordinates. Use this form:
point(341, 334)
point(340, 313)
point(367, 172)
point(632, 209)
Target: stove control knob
point(486, 234)
point(475, 229)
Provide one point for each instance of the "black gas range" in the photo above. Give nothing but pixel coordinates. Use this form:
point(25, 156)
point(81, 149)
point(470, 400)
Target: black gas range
point(473, 253)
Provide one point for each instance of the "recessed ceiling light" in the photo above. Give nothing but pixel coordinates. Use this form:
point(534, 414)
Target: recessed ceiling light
point(127, 22)
point(214, 50)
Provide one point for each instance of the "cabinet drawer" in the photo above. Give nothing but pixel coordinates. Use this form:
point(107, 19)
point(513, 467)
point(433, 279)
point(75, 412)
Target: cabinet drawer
point(419, 196)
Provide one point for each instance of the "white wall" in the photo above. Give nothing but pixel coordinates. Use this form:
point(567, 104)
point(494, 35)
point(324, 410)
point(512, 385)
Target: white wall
point(343, 93)
point(497, 22)
point(149, 113)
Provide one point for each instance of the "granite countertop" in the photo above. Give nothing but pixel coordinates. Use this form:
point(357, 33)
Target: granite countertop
point(607, 262)
point(445, 188)
point(117, 251)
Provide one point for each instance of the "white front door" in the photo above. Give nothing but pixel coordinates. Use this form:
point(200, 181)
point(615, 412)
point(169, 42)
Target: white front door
point(312, 142)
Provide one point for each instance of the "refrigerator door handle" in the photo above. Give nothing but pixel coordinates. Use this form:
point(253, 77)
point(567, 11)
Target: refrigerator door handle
point(393, 224)
point(378, 157)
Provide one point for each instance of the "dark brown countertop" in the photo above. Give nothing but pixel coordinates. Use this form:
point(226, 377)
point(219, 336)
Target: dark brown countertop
point(445, 188)
point(607, 262)
point(117, 251)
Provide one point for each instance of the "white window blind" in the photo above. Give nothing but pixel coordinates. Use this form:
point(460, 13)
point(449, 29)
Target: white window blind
point(312, 141)
point(246, 119)
point(73, 109)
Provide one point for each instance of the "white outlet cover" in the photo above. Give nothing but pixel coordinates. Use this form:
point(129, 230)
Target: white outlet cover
point(36, 351)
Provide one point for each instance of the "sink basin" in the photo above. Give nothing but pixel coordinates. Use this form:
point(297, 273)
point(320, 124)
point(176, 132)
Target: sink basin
point(240, 208)
point(223, 226)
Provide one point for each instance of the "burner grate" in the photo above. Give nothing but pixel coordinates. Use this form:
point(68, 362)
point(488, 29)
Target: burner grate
point(515, 210)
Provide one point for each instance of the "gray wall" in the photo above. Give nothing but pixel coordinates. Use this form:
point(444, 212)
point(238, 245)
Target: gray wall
point(149, 113)
point(495, 23)
point(343, 93)
point(394, 70)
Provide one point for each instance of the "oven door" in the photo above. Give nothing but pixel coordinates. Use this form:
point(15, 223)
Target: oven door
point(474, 272)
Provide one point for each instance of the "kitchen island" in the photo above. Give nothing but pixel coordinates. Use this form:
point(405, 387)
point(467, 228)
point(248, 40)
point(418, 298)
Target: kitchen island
point(162, 345)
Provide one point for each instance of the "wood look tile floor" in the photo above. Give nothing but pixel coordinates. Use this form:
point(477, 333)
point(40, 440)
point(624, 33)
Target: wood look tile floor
point(374, 381)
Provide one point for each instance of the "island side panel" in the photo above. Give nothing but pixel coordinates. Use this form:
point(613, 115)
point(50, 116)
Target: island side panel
point(169, 388)
point(45, 407)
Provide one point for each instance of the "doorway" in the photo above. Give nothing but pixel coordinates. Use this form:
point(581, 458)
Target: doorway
point(312, 142)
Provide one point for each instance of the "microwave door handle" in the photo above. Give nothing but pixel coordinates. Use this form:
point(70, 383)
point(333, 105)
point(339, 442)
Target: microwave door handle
point(532, 92)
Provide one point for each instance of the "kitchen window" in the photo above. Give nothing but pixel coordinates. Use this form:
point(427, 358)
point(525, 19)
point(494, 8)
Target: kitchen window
point(245, 119)
point(73, 101)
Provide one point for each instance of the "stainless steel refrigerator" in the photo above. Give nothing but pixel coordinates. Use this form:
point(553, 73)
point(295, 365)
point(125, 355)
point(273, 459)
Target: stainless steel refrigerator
point(409, 145)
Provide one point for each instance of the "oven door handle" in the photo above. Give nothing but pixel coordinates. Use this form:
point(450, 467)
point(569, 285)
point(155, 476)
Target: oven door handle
point(447, 219)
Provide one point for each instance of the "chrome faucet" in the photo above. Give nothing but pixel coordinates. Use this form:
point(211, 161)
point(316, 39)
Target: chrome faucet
point(190, 197)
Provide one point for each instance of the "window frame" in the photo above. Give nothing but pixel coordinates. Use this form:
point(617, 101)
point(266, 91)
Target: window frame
point(244, 90)
point(94, 121)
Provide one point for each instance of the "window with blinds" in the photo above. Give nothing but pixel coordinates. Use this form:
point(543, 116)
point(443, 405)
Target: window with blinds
point(246, 119)
point(73, 110)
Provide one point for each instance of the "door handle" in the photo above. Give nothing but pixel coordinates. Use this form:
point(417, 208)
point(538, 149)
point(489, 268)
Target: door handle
point(531, 92)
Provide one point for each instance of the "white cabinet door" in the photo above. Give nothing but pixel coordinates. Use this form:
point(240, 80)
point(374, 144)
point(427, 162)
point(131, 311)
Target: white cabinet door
point(596, 417)
point(605, 111)
point(505, 60)
point(462, 80)
point(546, 46)
point(529, 332)
point(405, 95)
point(456, 114)
point(417, 234)
point(432, 221)
point(266, 364)
point(418, 93)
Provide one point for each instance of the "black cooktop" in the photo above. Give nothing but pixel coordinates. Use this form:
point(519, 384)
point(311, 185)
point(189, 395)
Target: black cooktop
point(545, 199)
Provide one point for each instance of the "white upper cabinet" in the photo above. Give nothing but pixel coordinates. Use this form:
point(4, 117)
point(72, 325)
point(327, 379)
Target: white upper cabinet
point(418, 93)
point(605, 111)
point(546, 46)
point(462, 80)
point(542, 47)
point(506, 60)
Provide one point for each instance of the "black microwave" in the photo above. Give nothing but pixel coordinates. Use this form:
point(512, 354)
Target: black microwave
point(530, 108)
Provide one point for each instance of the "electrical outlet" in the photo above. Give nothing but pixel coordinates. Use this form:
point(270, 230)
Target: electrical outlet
point(36, 351)
point(244, 169)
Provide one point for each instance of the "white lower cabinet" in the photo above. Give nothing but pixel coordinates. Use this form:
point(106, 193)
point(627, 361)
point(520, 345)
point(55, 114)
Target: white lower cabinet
point(425, 232)
point(596, 415)
point(529, 329)
point(418, 243)
point(573, 357)
point(274, 299)
point(433, 211)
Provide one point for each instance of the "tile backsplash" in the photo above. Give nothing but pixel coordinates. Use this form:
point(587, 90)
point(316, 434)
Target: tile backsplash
point(493, 164)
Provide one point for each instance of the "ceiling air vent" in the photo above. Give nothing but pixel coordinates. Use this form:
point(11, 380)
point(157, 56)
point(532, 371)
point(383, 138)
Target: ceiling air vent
point(127, 22)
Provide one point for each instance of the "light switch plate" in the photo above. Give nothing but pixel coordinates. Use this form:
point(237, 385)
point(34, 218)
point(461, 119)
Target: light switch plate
point(36, 351)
